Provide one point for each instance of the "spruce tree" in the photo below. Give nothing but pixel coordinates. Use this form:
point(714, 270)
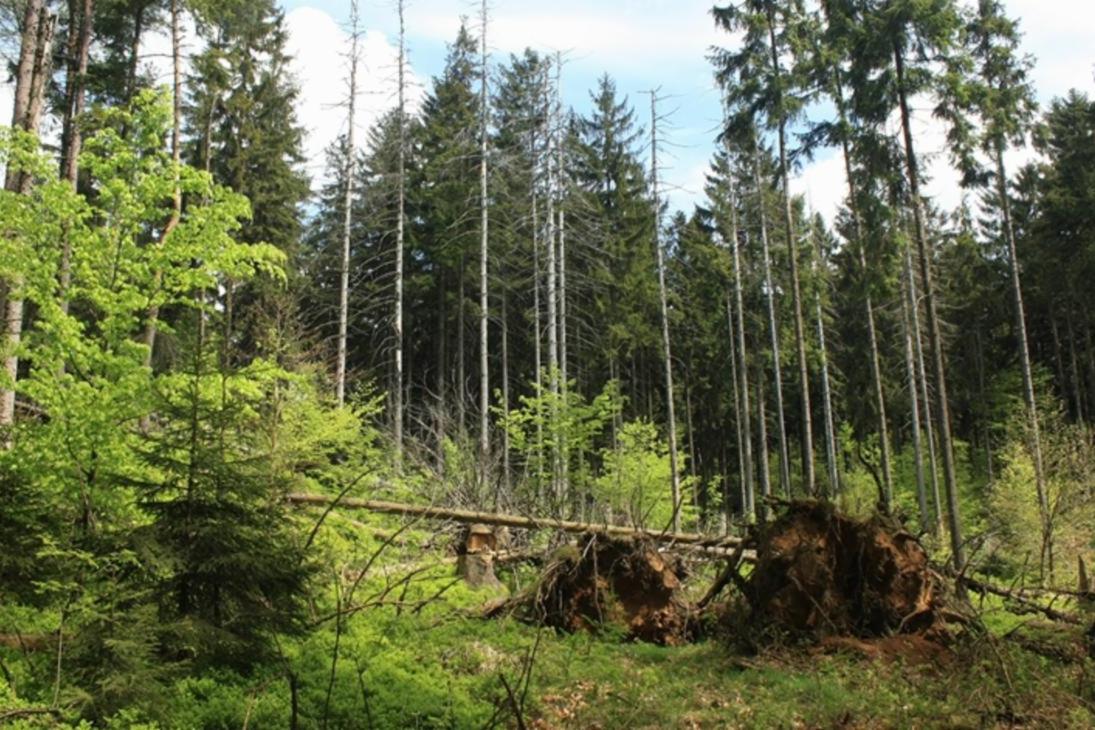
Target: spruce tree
point(244, 130)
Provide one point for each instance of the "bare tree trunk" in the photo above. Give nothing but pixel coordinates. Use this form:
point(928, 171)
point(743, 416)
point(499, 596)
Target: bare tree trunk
point(537, 322)
point(401, 194)
point(135, 47)
point(744, 482)
point(176, 159)
point(31, 80)
point(792, 256)
point(663, 296)
point(484, 283)
point(560, 153)
point(743, 366)
point(773, 329)
point(860, 244)
point(908, 304)
point(826, 390)
point(348, 213)
point(935, 337)
point(461, 349)
point(922, 383)
point(552, 300)
point(762, 449)
point(506, 482)
point(1024, 347)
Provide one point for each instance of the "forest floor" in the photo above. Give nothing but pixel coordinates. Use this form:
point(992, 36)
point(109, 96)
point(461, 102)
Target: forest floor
point(424, 657)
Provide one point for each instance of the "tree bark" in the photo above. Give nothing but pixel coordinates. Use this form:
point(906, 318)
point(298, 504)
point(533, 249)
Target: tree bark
point(32, 73)
point(935, 337)
point(808, 474)
point(860, 244)
point(908, 302)
point(773, 330)
point(484, 260)
point(826, 390)
point(401, 110)
point(663, 296)
point(348, 213)
point(743, 366)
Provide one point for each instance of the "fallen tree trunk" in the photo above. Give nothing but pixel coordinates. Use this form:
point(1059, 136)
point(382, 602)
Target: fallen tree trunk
point(1026, 603)
point(516, 521)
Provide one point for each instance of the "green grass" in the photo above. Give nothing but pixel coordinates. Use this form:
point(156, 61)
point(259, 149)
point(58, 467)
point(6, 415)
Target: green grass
point(443, 667)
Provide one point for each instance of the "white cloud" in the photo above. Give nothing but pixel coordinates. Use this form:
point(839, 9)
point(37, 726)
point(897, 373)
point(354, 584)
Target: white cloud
point(320, 48)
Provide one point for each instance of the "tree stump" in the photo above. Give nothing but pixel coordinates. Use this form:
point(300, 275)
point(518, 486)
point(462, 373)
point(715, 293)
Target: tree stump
point(475, 557)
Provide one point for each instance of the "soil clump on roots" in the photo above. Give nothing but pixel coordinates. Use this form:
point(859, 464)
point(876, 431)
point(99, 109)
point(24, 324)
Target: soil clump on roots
point(820, 574)
point(608, 584)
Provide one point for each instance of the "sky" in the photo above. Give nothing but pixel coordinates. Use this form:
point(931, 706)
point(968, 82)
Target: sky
point(642, 44)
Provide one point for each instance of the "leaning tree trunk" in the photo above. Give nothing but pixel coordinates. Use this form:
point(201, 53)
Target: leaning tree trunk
point(667, 354)
point(935, 337)
point(773, 330)
point(792, 256)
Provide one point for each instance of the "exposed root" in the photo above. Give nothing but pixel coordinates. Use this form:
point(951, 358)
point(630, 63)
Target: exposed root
point(822, 574)
point(608, 584)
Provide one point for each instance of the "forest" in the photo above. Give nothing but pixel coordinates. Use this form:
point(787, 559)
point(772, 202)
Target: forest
point(466, 426)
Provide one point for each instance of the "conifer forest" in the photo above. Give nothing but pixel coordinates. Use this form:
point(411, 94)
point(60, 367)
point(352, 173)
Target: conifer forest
point(477, 412)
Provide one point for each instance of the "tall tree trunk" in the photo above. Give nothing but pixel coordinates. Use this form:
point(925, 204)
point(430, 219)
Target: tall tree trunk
point(762, 449)
point(792, 256)
point(922, 383)
point(935, 337)
point(461, 350)
point(176, 159)
point(560, 153)
point(135, 47)
point(551, 296)
point(908, 303)
point(79, 47)
point(31, 81)
point(348, 214)
point(506, 483)
point(537, 338)
point(860, 245)
point(773, 329)
point(663, 296)
point(401, 195)
point(743, 368)
point(484, 283)
point(1035, 435)
point(826, 389)
point(744, 478)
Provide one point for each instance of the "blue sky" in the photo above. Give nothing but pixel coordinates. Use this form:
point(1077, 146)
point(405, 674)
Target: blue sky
point(642, 44)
